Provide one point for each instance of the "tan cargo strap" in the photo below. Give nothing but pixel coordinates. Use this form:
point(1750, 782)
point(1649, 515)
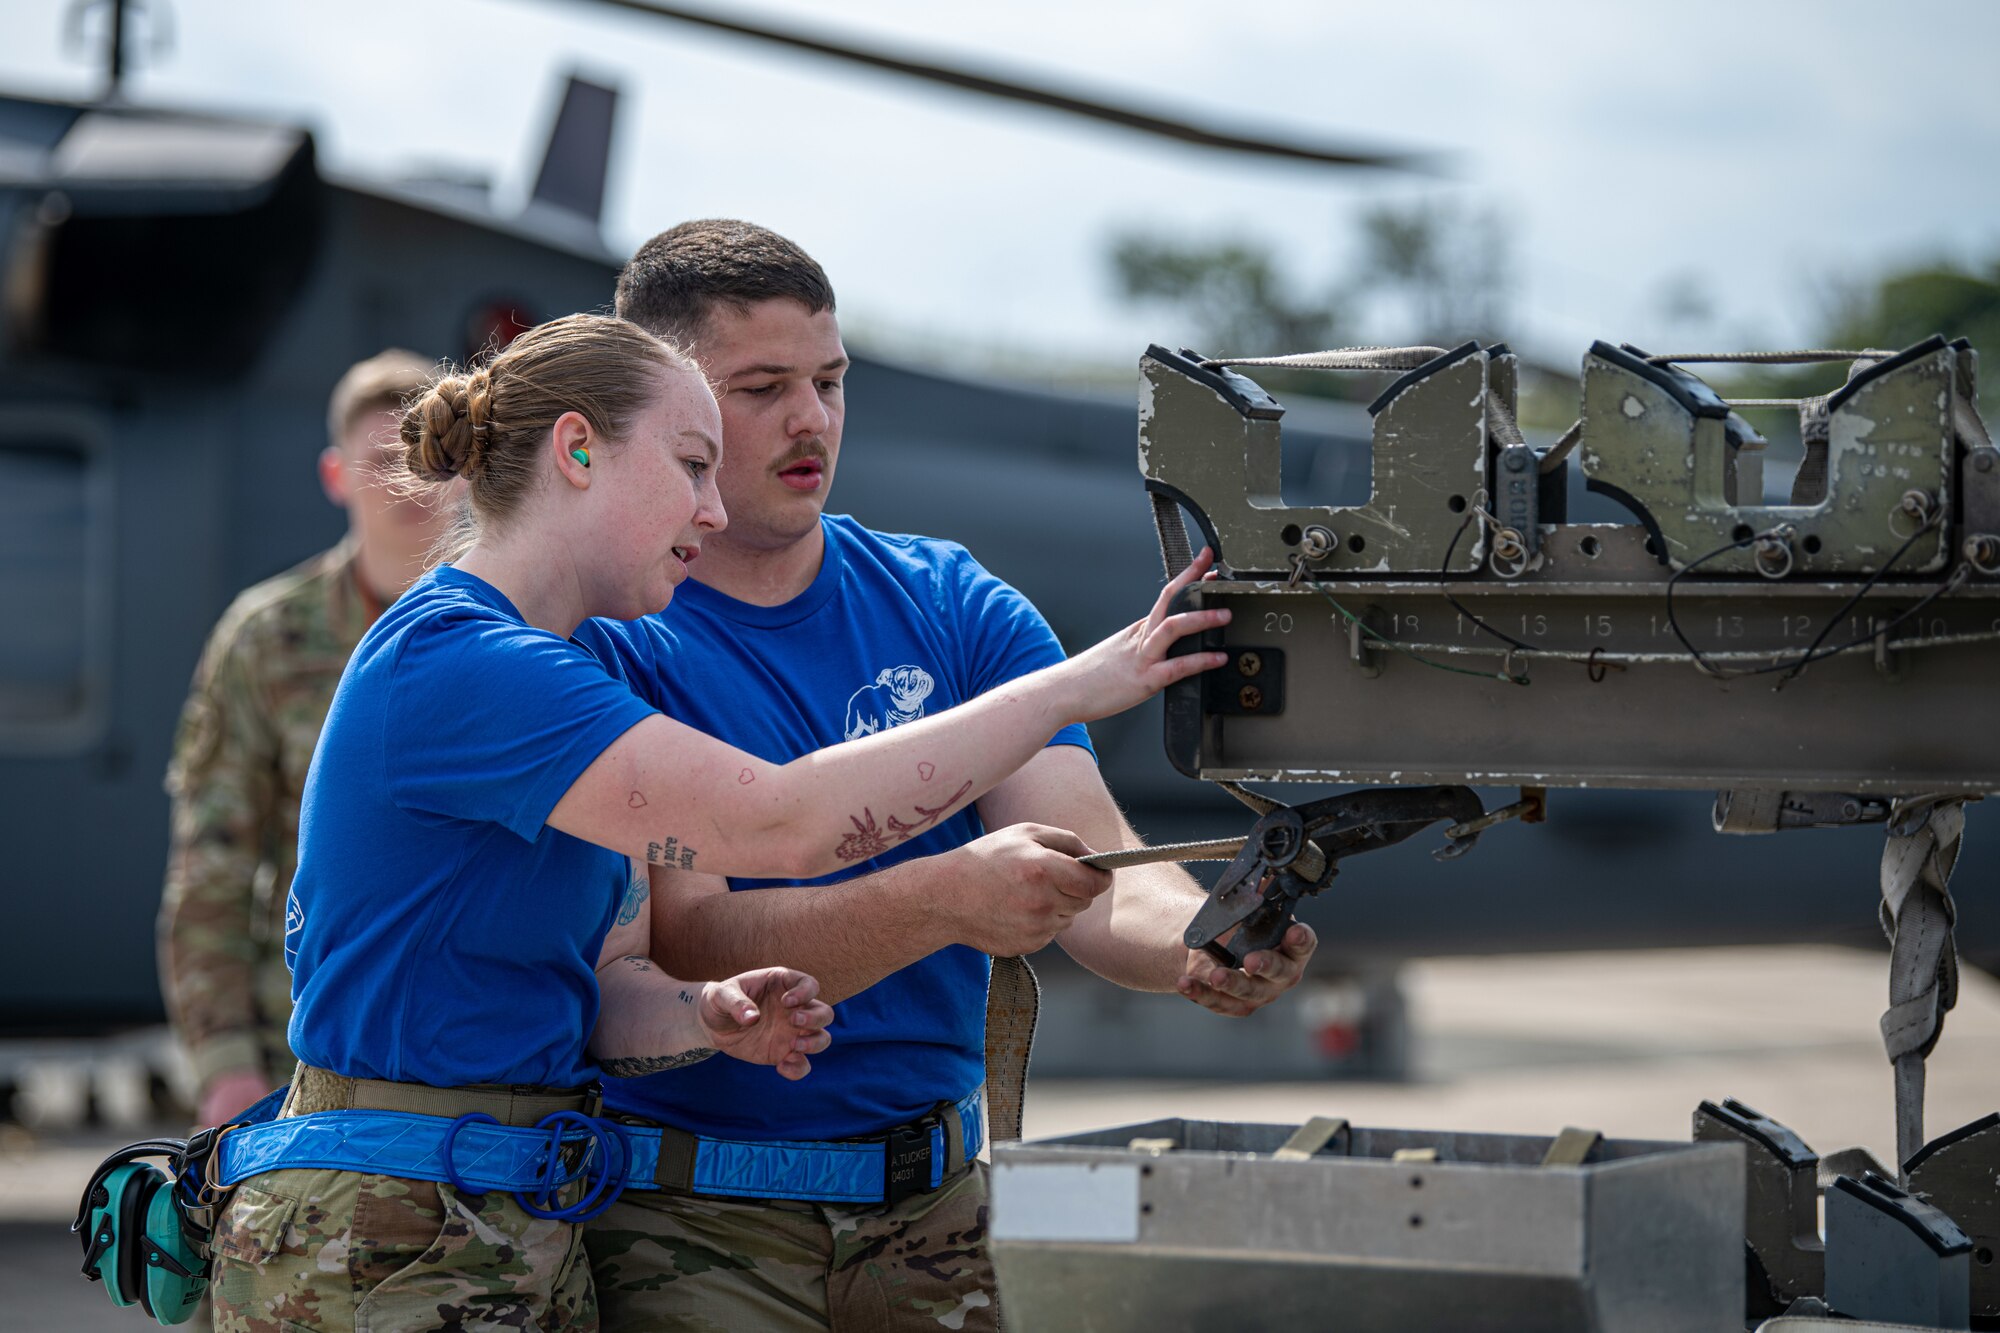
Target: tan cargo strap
point(1803, 357)
point(1309, 1138)
point(1175, 553)
point(316, 1089)
point(1338, 358)
point(1013, 1005)
point(1311, 863)
point(1917, 915)
point(1213, 849)
point(1218, 849)
point(1572, 1147)
point(1748, 810)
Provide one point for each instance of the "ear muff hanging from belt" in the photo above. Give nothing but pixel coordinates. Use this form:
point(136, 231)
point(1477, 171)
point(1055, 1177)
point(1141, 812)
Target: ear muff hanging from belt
point(136, 1239)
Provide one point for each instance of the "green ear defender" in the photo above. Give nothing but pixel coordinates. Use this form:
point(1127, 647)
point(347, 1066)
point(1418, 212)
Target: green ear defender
point(138, 1242)
point(581, 455)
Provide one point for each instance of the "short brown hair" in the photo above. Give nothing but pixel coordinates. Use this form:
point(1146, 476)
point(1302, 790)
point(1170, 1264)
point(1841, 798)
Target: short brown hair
point(382, 383)
point(487, 423)
point(681, 275)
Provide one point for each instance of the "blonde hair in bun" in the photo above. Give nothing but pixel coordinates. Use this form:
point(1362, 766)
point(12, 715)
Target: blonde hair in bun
point(488, 424)
point(446, 429)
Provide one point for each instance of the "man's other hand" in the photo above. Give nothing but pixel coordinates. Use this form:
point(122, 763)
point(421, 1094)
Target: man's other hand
point(1264, 976)
point(228, 1093)
point(1016, 889)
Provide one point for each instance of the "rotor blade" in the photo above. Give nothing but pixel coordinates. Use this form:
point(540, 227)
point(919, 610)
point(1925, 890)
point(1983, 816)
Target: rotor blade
point(1319, 154)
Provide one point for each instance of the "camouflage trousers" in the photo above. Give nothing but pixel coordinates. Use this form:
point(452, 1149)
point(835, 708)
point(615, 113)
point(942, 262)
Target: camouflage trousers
point(308, 1250)
point(663, 1262)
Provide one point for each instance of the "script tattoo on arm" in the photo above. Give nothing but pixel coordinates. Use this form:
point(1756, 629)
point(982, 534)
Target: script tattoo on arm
point(670, 853)
point(632, 1066)
point(868, 840)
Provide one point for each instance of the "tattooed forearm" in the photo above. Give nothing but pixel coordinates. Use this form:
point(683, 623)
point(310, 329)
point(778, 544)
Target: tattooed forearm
point(670, 853)
point(635, 896)
point(867, 840)
point(632, 1066)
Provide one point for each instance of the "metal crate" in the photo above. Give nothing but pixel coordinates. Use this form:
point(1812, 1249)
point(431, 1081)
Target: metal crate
point(1092, 1233)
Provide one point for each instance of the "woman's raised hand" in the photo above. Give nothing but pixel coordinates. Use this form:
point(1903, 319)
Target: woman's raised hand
point(1132, 665)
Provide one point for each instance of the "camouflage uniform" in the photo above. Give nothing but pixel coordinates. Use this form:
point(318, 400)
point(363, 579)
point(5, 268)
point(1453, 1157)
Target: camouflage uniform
point(303, 1249)
point(239, 768)
point(689, 1265)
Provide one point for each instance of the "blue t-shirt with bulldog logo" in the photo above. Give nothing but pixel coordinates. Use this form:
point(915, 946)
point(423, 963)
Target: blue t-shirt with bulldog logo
point(893, 628)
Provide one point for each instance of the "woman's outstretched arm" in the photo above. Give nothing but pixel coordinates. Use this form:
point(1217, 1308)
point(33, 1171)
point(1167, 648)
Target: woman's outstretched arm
point(673, 796)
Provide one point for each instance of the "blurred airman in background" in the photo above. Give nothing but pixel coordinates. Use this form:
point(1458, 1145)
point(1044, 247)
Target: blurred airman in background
point(246, 737)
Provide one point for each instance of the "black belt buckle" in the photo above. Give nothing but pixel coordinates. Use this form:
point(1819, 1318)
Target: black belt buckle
point(906, 1162)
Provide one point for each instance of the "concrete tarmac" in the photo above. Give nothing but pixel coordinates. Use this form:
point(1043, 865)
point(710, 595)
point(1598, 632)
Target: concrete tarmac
point(1626, 1043)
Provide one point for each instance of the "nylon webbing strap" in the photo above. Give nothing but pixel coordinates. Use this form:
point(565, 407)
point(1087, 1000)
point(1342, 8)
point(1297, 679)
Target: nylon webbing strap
point(1747, 810)
point(1307, 1140)
point(1803, 357)
point(315, 1089)
point(1175, 553)
point(1340, 358)
point(1219, 849)
point(1572, 1147)
point(1500, 423)
point(1013, 1003)
point(1257, 801)
point(675, 1172)
point(1917, 915)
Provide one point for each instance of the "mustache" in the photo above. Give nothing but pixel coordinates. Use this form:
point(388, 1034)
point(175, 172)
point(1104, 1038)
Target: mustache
point(813, 448)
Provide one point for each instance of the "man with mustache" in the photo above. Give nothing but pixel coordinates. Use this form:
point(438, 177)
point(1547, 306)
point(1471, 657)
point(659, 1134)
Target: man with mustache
point(795, 629)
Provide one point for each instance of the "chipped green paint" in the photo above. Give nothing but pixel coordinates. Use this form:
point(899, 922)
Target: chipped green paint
point(1888, 434)
point(1429, 462)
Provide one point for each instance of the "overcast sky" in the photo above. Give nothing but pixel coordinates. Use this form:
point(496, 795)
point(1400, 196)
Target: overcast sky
point(1754, 149)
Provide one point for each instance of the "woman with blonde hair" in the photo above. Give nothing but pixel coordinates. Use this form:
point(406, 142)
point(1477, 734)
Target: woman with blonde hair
point(478, 787)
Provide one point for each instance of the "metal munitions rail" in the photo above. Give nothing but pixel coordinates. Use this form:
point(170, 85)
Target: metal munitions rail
point(1821, 662)
point(1458, 629)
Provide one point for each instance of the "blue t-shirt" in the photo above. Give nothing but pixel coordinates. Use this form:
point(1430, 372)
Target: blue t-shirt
point(893, 628)
point(436, 930)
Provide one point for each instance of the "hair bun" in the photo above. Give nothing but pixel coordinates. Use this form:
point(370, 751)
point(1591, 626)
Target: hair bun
point(446, 427)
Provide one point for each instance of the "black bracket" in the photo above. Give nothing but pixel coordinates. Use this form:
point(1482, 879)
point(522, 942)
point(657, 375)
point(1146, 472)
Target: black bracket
point(1295, 851)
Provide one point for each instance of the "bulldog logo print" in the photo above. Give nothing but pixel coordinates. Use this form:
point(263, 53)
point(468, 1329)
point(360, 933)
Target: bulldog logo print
point(896, 697)
point(295, 920)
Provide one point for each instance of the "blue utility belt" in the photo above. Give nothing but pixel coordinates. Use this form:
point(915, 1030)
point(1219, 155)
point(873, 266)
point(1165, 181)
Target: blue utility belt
point(885, 1168)
point(540, 1164)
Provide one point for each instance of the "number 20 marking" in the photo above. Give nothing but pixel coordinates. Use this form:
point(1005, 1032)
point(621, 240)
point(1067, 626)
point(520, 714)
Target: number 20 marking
point(1277, 622)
